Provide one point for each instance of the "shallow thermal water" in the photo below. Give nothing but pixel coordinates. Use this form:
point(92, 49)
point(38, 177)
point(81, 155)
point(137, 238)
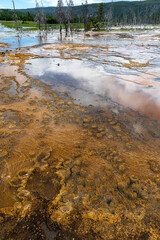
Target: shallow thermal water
point(80, 137)
point(24, 39)
point(125, 70)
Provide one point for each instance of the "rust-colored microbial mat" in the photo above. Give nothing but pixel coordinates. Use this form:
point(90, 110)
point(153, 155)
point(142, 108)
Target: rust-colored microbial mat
point(70, 171)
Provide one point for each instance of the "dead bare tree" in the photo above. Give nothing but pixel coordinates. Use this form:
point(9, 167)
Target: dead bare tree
point(70, 6)
point(109, 17)
point(134, 21)
point(15, 15)
point(60, 14)
point(85, 15)
point(44, 21)
point(38, 15)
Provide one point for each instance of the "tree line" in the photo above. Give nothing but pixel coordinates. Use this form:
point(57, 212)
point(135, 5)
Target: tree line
point(91, 15)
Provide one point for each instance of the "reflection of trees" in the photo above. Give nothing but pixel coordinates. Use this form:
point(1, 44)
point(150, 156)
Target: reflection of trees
point(19, 41)
point(40, 38)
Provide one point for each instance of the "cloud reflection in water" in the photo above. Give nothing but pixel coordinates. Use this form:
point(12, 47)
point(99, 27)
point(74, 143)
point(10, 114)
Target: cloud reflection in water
point(93, 85)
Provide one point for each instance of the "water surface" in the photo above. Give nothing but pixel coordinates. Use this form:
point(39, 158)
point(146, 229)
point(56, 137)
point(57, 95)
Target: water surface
point(80, 137)
point(124, 70)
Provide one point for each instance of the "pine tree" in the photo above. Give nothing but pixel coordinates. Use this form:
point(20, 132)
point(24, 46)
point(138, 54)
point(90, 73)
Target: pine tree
point(100, 12)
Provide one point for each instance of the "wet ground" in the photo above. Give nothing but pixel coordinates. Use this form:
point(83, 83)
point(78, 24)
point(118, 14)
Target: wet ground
point(79, 138)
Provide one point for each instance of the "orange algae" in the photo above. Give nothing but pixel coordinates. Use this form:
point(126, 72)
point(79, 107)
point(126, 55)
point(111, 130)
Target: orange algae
point(4, 44)
point(136, 64)
point(69, 167)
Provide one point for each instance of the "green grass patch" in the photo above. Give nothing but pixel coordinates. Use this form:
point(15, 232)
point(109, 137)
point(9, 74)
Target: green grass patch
point(11, 24)
point(32, 25)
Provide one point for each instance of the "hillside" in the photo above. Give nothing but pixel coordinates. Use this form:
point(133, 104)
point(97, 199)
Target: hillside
point(119, 7)
point(145, 11)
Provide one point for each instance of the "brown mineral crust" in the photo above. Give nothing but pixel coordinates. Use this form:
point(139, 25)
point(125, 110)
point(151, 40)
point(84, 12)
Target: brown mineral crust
point(74, 174)
point(4, 44)
point(70, 46)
